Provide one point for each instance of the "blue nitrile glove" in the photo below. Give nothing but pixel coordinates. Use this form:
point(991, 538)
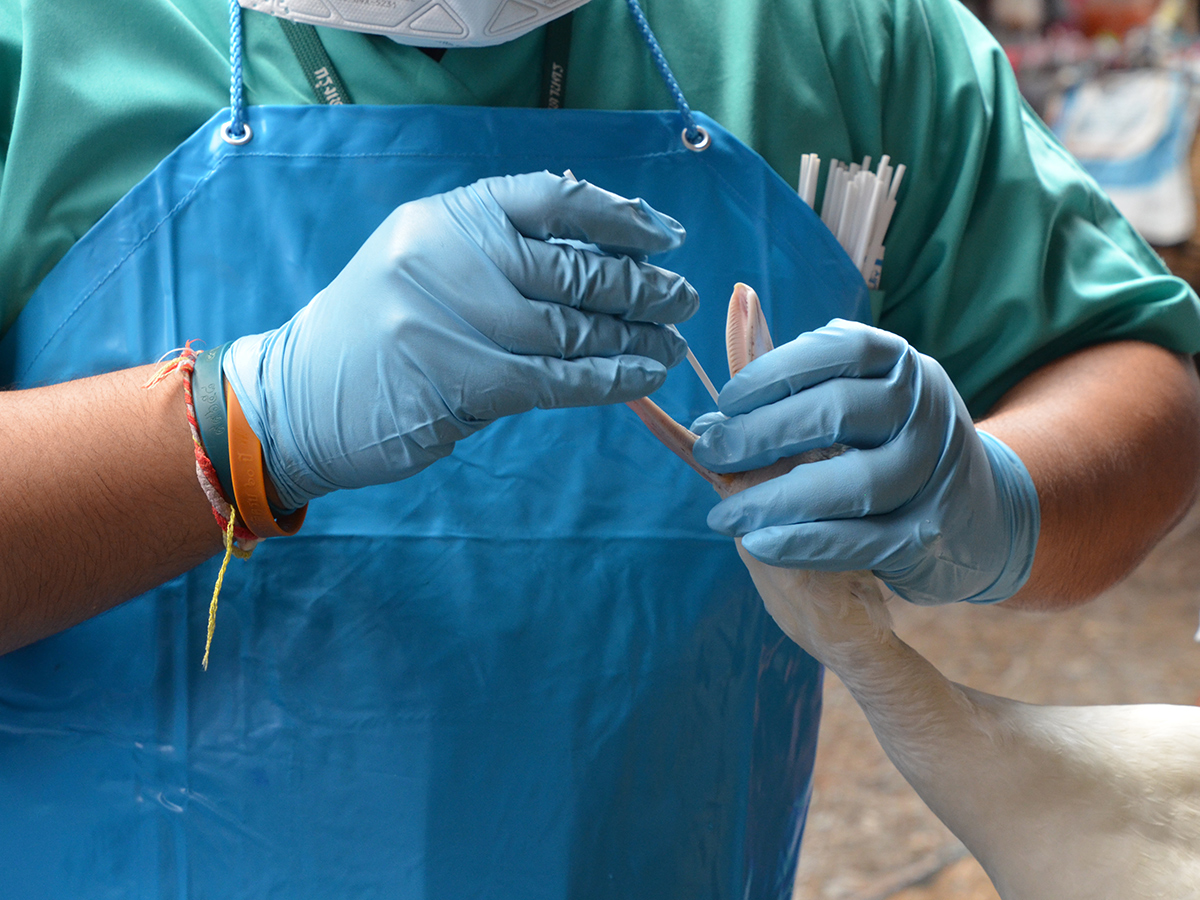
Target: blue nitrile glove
point(459, 309)
point(939, 511)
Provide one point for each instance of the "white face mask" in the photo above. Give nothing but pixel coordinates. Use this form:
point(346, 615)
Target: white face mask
point(424, 23)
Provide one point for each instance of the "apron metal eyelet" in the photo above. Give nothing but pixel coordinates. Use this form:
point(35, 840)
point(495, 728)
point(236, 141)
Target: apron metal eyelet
point(247, 134)
point(702, 142)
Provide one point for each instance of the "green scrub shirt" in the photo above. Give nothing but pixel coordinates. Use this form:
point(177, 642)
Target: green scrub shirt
point(1002, 254)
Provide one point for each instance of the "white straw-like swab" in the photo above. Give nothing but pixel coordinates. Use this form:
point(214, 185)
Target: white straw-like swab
point(857, 206)
point(895, 188)
point(831, 207)
point(849, 208)
point(839, 201)
point(867, 229)
point(709, 386)
point(698, 369)
point(691, 357)
point(810, 189)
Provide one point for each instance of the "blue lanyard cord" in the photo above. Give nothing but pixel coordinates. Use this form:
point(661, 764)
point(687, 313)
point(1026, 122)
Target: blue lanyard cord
point(237, 131)
point(691, 131)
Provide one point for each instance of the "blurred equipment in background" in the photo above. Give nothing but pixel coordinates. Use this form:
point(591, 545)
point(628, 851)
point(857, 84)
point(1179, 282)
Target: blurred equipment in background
point(1019, 15)
point(1133, 132)
point(1117, 82)
point(1116, 17)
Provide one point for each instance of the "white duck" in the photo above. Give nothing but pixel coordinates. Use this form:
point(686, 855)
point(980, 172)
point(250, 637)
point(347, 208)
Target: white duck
point(1055, 802)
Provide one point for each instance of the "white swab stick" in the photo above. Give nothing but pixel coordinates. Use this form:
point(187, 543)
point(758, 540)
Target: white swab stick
point(884, 219)
point(845, 199)
point(831, 205)
point(698, 369)
point(867, 230)
point(875, 253)
point(885, 174)
point(830, 193)
point(865, 220)
point(895, 188)
point(810, 189)
point(703, 376)
point(709, 386)
point(800, 182)
point(845, 220)
point(836, 202)
point(850, 217)
point(691, 357)
point(839, 204)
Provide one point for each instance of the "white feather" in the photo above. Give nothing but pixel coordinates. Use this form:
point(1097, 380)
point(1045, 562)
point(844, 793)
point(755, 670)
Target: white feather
point(1056, 802)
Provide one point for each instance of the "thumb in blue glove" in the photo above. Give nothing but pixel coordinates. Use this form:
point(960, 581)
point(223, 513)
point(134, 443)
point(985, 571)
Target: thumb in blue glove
point(707, 421)
point(461, 308)
point(939, 511)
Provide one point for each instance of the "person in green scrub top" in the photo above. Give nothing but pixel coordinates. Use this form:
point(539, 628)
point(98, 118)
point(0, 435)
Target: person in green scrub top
point(1056, 326)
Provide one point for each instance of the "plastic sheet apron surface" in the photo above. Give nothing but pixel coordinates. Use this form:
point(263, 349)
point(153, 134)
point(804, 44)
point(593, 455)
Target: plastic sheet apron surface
point(530, 671)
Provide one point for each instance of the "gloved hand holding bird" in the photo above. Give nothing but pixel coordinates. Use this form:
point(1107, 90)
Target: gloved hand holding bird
point(1056, 802)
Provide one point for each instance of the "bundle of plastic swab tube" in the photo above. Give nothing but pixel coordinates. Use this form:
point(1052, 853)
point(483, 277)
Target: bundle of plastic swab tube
point(857, 206)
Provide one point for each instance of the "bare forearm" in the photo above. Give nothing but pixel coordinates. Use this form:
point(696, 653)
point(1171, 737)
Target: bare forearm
point(98, 500)
point(1111, 437)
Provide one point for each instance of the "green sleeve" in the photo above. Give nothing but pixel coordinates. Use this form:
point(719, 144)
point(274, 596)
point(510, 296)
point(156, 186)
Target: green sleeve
point(86, 120)
point(92, 98)
point(1003, 254)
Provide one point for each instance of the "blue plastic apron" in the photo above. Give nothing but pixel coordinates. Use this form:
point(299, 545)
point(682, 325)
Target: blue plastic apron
point(530, 671)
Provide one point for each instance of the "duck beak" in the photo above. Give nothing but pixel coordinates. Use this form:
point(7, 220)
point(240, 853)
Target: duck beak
point(746, 339)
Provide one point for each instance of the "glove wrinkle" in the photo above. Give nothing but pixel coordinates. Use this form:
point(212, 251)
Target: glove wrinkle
point(457, 311)
point(936, 509)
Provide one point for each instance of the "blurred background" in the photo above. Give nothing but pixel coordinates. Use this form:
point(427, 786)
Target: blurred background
point(1119, 83)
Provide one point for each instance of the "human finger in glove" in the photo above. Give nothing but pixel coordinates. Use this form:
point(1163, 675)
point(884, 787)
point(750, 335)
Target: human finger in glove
point(461, 308)
point(936, 509)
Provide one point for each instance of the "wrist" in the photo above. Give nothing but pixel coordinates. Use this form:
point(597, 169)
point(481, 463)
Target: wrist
point(1018, 500)
point(250, 479)
point(247, 364)
point(236, 452)
point(208, 397)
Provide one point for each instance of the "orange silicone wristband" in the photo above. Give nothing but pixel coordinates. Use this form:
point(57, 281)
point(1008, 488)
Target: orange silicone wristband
point(250, 478)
